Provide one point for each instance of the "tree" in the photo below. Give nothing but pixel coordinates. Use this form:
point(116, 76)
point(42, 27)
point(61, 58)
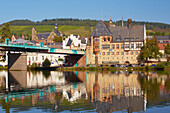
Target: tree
point(58, 39)
point(150, 49)
point(46, 63)
point(5, 32)
point(167, 49)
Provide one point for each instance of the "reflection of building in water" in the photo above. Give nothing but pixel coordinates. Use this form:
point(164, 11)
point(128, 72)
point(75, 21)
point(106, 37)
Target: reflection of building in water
point(74, 91)
point(3, 75)
point(114, 92)
point(38, 79)
point(113, 84)
point(24, 79)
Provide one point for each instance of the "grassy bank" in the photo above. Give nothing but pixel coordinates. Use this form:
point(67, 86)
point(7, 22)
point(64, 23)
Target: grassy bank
point(3, 68)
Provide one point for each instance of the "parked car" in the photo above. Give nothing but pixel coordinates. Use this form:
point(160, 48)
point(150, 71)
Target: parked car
point(153, 65)
point(142, 64)
point(101, 66)
point(112, 66)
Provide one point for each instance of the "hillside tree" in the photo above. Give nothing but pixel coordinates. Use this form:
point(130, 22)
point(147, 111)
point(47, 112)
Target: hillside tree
point(5, 32)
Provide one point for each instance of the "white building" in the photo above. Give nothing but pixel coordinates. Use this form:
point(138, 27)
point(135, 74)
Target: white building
point(75, 42)
point(39, 58)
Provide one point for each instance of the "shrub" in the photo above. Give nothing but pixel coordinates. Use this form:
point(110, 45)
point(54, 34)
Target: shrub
point(34, 65)
point(46, 63)
point(60, 59)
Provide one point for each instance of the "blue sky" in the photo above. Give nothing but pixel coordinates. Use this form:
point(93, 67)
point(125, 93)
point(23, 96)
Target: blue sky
point(37, 10)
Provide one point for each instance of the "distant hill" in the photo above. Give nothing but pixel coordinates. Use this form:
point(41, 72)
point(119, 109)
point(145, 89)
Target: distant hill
point(83, 27)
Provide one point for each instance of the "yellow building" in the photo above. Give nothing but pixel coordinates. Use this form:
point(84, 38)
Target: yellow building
point(110, 44)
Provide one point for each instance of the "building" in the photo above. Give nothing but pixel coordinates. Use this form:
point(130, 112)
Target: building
point(75, 42)
point(162, 42)
point(55, 59)
point(112, 44)
point(45, 37)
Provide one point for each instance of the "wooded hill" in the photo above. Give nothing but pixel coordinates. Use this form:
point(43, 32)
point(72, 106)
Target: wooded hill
point(82, 27)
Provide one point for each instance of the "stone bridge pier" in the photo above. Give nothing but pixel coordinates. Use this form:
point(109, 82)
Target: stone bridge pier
point(75, 60)
point(17, 61)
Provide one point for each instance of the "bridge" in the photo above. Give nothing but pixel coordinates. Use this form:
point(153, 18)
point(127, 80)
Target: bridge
point(18, 61)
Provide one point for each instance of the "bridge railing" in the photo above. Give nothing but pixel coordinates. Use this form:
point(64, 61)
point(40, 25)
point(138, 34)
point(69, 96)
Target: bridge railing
point(22, 46)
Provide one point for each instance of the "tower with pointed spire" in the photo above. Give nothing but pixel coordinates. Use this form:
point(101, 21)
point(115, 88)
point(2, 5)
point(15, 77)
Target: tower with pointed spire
point(56, 25)
point(110, 23)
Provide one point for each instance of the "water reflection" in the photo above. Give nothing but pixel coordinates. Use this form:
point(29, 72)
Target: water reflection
point(52, 91)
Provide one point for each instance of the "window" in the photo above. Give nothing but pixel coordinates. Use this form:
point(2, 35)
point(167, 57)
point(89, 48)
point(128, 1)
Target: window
point(137, 38)
point(131, 53)
point(122, 46)
point(42, 57)
point(138, 45)
point(132, 45)
point(113, 46)
point(113, 53)
point(105, 46)
point(136, 53)
point(163, 45)
point(96, 39)
point(104, 39)
point(108, 53)
point(126, 39)
point(117, 39)
point(126, 45)
point(132, 39)
point(117, 46)
point(108, 39)
point(32, 58)
point(117, 53)
point(36, 58)
point(122, 53)
point(103, 53)
point(127, 53)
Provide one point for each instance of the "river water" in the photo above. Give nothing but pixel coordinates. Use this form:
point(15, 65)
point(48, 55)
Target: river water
point(65, 92)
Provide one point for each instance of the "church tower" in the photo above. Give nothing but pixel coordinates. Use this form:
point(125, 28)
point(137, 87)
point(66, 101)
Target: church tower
point(34, 32)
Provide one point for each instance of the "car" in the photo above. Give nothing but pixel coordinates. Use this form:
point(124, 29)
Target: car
point(101, 66)
point(153, 65)
point(130, 65)
point(112, 66)
point(142, 64)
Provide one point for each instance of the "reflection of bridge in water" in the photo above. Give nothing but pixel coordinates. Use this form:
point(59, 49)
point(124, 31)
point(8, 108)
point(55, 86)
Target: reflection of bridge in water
point(107, 92)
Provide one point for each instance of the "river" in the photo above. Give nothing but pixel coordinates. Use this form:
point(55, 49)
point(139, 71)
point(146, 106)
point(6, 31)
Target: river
point(84, 91)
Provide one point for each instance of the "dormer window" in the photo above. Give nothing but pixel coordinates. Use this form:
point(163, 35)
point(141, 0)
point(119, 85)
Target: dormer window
point(117, 39)
point(126, 39)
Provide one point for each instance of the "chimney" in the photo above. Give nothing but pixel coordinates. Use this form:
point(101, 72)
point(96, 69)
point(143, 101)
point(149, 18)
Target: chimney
point(129, 22)
point(122, 21)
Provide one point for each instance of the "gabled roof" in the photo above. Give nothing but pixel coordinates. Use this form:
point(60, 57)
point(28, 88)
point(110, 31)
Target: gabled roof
point(43, 35)
point(101, 30)
point(163, 37)
point(135, 32)
point(57, 32)
point(69, 42)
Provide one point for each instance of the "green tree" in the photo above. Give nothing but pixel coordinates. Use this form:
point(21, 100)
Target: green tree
point(46, 63)
point(58, 39)
point(150, 49)
point(167, 49)
point(5, 32)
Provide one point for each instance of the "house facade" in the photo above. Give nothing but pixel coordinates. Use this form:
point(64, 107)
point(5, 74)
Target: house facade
point(162, 42)
point(45, 37)
point(110, 44)
point(75, 42)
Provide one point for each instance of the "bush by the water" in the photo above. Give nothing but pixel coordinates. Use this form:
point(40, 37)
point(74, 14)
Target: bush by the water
point(46, 63)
